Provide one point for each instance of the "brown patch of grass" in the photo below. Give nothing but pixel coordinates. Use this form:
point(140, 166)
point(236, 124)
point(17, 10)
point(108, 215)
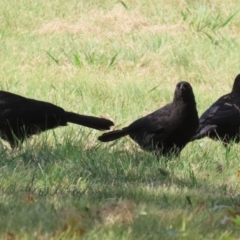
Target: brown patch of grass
point(115, 22)
point(117, 213)
point(63, 26)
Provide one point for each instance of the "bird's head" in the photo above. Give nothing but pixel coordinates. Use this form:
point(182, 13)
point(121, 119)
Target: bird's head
point(184, 92)
point(236, 84)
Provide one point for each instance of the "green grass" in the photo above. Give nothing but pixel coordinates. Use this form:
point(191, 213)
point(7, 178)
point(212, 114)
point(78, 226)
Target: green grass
point(122, 60)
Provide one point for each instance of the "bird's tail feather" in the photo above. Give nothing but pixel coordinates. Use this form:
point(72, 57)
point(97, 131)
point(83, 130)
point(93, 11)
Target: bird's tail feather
point(203, 132)
point(113, 135)
point(89, 121)
point(197, 136)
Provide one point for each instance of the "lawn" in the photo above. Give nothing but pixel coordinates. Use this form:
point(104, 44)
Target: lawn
point(120, 60)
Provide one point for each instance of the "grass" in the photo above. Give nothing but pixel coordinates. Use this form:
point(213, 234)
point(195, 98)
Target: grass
point(122, 60)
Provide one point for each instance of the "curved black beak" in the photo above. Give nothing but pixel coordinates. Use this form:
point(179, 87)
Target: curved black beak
point(182, 86)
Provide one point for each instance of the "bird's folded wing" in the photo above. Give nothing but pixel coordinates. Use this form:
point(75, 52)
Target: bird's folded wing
point(28, 110)
point(221, 114)
point(153, 123)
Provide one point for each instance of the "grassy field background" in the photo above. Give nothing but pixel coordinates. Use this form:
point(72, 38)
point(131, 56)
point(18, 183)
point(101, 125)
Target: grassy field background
point(122, 60)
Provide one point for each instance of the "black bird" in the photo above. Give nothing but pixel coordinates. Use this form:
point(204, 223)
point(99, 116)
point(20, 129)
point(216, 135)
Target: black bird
point(22, 117)
point(166, 130)
point(221, 121)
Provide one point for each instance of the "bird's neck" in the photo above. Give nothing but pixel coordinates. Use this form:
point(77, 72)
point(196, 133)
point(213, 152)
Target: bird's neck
point(187, 101)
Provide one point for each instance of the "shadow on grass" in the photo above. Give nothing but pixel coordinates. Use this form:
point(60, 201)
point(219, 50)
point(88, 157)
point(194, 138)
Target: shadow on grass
point(69, 175)
point(97, 173)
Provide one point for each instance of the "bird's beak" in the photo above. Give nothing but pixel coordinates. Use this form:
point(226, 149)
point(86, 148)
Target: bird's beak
point(182, 86)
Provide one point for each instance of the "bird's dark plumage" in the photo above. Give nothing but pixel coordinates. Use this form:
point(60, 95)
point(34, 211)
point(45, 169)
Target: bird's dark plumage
point(222, 119)
point(166, 130)
point(22, 117)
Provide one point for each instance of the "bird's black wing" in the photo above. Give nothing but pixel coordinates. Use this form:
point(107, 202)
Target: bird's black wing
point(151, 124)
point(14, 107)
point(154, 122)
point(225, 111)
